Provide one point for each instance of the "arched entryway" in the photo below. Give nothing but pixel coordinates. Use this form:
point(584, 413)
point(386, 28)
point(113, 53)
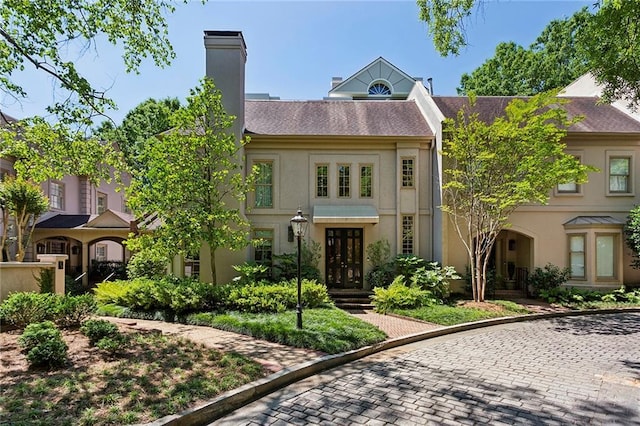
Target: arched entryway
point(108, 257)
point(511, 260)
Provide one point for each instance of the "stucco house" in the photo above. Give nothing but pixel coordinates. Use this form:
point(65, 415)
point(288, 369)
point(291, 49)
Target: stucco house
point(364, 164)
point(85, 222)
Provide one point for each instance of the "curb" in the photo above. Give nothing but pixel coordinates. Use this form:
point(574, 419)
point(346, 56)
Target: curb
point(232, 400)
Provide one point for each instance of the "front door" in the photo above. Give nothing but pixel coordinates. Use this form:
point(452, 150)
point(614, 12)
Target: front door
point(344, 257)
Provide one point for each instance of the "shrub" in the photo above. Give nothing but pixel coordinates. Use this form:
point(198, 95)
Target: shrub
point(148, 294)
point(43, 344)
point(285, 265)
point(381, 276)
point(112, 291)
point(24, 308)
point(96, 329)
point(251, 272)
point(378, 253)
point(407, 265)
point(398, 296)
point(46, 280)
point(548, 278)
point(113, 344)
point(147, 263)
point(70, 311)
point(74, 287)
point(267, 297)
point(435, 279)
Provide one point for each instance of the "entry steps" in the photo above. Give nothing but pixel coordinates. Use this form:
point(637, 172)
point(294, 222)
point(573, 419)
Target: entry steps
point(350, 299)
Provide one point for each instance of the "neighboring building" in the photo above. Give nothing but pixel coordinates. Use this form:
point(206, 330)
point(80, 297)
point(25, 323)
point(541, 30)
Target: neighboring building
point(363, 165)
point(88, 223)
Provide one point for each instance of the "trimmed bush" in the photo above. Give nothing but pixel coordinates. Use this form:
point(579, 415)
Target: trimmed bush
point(43, 344)
point(24, 308)
point(70, 311)
point(548, 278)
point(399, 296)
point(96, 330)
point(276, 297)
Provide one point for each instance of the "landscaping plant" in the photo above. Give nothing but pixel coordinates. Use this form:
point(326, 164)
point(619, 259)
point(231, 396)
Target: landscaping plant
point(43, 344)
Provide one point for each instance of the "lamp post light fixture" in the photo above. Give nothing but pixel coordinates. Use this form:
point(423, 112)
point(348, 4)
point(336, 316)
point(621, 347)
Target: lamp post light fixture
point(299, 226)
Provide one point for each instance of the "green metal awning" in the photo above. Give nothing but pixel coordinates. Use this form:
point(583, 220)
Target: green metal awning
point(345, 214)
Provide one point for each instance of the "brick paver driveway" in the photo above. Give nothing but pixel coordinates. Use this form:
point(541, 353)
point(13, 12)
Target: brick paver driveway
point(573, 370)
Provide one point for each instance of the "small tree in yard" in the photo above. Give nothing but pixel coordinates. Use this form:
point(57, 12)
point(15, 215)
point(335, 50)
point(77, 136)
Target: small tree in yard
point(493, 168)
point(24, 202)
point(193, 179)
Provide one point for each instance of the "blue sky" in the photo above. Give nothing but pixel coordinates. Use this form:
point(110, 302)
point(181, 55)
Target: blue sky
point(295, 47)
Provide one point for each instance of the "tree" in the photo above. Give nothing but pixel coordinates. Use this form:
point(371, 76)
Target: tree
point(24, 202)
point(632, 235)
point(611, 44)
point(49, 35)
point(609, 41)
point(508, 73)
point(149, 118)
point(42, 151)
point(193, 179)
point(493, 168)
point(551, 62)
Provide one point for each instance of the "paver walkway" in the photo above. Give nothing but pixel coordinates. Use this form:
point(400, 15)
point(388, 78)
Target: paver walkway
point(573, 370)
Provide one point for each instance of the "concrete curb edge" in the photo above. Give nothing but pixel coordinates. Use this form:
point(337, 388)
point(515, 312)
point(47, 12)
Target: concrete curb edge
point(232, 400)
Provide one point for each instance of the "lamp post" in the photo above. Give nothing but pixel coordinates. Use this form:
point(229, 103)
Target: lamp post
point(299, 226)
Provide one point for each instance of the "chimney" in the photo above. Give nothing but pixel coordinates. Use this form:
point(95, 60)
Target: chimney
point(335, 81)
point(430, 81)
point(226, 55)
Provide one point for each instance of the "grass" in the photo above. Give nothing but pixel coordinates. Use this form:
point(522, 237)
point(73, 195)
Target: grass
point(458, 314)
point(153, 377)
point(328, 330)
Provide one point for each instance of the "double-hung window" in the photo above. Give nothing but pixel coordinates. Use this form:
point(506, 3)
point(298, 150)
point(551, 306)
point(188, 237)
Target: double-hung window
point(619, 175)
point(264, 184)
point(577, 256)
point(56, 195)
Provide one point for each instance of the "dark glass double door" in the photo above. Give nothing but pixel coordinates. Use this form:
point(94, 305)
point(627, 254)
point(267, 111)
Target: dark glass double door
point(344, 258)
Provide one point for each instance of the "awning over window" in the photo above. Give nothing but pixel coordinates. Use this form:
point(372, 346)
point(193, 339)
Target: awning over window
point(345, 214)
point(590, 221)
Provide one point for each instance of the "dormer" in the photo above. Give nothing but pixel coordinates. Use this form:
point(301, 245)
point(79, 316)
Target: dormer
point(378, 80)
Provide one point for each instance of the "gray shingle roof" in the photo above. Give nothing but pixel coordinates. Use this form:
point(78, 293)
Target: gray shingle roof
point(593, 220)
point(598, 118)
point(336, 118)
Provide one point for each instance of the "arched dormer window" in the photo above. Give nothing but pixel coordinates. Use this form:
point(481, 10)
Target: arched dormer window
point(379, 88)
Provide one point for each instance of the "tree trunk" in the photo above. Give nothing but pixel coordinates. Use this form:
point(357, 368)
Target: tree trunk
point(212, 264)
